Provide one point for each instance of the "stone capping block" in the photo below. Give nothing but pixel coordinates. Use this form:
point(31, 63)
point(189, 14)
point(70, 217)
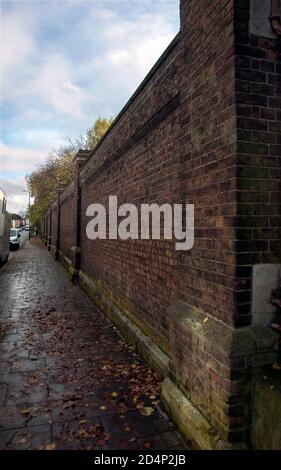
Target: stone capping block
point(247, 341)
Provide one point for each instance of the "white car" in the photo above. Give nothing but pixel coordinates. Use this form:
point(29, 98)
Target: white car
point(14, 238)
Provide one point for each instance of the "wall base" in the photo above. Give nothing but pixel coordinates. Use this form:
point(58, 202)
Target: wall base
point(259, 345)
point(191, 422)
point(134, 335)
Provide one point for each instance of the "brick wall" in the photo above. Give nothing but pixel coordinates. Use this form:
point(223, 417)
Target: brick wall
point(204, 128)
point(139, 163)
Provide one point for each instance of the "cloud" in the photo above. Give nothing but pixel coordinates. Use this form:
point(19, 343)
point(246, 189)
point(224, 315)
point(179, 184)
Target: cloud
point(15, 159)
point(54, 88)
point(20, 47)
point(64, 63)
point(14, 188)
point(130, 47)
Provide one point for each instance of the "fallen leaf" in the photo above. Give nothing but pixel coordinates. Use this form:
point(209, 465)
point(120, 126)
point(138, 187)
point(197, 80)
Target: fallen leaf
point(102, 407)
point(69, 404)
point(26, 411)
point(83, 433)
point(114, 394)
point(21, 441)
point(50, 446)
point(146, 410)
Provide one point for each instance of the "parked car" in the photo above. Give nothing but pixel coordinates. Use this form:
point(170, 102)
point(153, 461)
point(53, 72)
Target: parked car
point(14, 238)
point(27, 228)
point(5, 225)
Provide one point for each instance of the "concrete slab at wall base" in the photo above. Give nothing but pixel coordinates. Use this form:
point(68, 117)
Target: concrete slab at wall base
point(191, 422)
point(66, 262)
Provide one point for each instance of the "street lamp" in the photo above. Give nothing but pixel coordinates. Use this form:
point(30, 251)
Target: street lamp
point(27, 191)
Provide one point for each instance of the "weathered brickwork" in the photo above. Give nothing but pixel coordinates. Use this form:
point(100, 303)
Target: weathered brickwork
point(203, 128)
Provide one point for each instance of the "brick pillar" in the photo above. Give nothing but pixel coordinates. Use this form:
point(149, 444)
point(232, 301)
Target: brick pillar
point(43, 229)
point(80, 160)
point(49, 228)
point(230, 171)
point(46, 229)
point(57, 246)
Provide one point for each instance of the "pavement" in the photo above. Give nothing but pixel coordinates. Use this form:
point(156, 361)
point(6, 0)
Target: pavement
point(67, 379)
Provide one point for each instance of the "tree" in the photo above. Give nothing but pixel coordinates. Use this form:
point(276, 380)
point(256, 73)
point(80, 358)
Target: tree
point(58, 169)
point(96, 132)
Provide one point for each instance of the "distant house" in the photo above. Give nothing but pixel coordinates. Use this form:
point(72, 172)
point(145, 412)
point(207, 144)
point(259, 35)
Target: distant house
point(17, 221)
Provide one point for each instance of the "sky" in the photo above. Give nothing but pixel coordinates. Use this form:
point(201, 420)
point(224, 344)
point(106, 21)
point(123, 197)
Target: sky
point(63, 64)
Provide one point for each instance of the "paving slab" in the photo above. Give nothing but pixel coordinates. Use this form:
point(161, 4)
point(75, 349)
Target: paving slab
point(67, 379)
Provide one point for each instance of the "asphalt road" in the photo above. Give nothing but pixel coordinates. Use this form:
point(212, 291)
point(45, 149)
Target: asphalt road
point(23, 240)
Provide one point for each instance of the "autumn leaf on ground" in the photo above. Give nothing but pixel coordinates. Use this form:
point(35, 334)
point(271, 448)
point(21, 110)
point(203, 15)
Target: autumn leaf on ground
point(83, 433)
point(146, 445)
point(69, 404)
point(51, 446)
point(146, 410)
point(102, 407)
point(21, 441)
point(26, 411)
point(114, 394)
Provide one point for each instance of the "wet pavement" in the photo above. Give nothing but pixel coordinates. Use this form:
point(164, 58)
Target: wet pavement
point(67, 380)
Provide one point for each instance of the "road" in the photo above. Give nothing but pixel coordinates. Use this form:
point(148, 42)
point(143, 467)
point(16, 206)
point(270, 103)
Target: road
point(23, 240)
